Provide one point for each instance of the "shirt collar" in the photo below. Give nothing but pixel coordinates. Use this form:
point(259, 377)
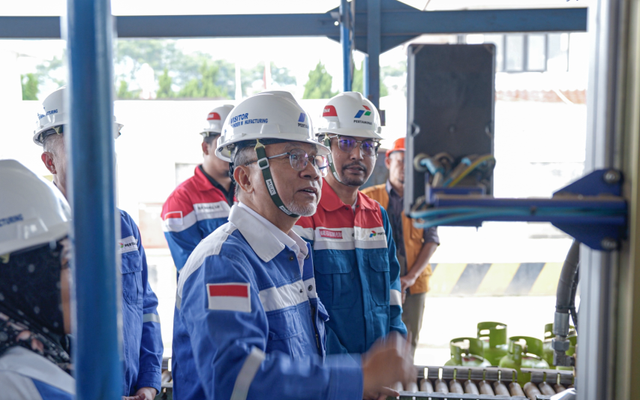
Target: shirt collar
point(266, 246)
point(331, 202)
point(391, 190)
point(205, 179)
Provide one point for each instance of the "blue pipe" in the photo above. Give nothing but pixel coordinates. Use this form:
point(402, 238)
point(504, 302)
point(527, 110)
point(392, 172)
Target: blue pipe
point(97, 352)
point(345, 41)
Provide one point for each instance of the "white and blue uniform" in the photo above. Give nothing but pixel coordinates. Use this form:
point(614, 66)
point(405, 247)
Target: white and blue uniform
point(25, 375)
point(250, 325)
point(141, 324)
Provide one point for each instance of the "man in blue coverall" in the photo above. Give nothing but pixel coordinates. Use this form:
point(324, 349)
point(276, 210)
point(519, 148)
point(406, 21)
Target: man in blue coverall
point(354, 253)
point(251, 324)
point(199, 205)
point(142, 341)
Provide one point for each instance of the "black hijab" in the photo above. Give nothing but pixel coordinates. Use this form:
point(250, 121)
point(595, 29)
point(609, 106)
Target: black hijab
point(31, 303)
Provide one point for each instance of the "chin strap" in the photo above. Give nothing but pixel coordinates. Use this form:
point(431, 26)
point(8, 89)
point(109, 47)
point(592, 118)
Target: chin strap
point(263, 164)
point(327, 142)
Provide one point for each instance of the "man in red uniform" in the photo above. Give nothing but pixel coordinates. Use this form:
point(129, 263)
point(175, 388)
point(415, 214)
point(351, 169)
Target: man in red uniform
point(199, 205)
point(415, 246)
point(357, 272)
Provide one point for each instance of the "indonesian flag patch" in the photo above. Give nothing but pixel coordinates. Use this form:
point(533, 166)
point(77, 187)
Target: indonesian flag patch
point(229, 297)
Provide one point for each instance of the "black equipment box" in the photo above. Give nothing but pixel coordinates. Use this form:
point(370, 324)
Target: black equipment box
point(450, 94)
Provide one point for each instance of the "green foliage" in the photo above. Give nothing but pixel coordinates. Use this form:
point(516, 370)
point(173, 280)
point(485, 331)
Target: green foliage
point(319, 84)
point(204, 86)
point(195, 74)
point(29, 86)
point(177, 74)
point(358, 79)
point(124, 93)
point(164, 86)
point(279, 75)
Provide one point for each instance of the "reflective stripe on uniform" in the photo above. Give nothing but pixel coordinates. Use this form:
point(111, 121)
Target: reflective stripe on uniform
point(247, 373)
point(219, 209)
point(395, 297)
point(175, 221)
point(277, 298)
point(150, 318)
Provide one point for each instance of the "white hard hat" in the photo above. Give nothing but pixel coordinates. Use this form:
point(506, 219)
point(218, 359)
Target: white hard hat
point(54, 116)
point(32, 211)
point(215, 120)
point(267, 115)
point(351, 114)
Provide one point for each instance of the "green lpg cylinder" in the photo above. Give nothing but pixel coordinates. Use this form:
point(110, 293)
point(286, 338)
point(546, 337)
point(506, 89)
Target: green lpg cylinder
point(548, 351)
point(467, 352)
point(494, 338)
point(524, 352)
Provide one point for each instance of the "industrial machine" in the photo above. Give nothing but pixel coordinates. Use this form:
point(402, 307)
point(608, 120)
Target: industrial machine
point(449, 181)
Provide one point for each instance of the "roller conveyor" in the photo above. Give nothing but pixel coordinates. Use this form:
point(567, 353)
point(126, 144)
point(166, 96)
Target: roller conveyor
point(485, 384)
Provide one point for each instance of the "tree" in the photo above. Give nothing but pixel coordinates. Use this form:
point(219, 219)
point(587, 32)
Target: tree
point(319, 84)
point(165, 90)
point(250, 78)
point(358, 79)
point(204, 86)
point(124, 93)
point(29, 86)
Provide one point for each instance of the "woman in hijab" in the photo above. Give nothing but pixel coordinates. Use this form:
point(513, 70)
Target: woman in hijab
point(34, 288)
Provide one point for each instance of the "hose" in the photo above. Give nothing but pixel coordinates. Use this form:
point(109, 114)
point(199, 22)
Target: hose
point(566, 284)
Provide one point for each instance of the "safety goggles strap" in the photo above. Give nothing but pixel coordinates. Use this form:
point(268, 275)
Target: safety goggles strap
point(263, 164)
point(327, 142)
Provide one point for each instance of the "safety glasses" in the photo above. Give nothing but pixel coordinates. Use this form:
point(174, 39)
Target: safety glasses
point(368, 147)
point(299, 160)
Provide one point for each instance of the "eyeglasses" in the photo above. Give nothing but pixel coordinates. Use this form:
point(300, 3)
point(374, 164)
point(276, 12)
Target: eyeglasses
point(299, 160)
point(367, 146)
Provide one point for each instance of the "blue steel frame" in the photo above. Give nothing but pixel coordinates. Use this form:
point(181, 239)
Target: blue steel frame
point(598, 192)
point(96, 349)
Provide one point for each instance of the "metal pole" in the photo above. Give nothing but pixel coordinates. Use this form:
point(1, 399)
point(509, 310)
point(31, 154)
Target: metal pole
point(345, 41)
point(97, 352)
point(366, 90)
point(373, 51)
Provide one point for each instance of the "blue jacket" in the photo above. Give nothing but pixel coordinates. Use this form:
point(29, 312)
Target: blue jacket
point(250, 326)
point(357, 271)
point(192, 211)
point(140, 321)
point(25, 375)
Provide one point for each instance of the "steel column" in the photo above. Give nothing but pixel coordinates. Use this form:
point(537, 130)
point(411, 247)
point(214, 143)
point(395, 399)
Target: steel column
point(373, 52)
point(345, 40)
point(97, 365)
point(600, 309)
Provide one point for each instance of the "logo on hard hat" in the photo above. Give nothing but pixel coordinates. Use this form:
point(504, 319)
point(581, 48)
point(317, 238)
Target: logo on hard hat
point(213, 116)
point(366, 112)
point(301, 120)
point(329, 111)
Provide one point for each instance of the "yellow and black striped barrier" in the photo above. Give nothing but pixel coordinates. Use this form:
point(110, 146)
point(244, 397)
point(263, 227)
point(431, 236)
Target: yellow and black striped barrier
point(503, 279)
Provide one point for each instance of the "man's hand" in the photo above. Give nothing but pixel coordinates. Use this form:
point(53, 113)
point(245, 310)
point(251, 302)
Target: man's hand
point(145, 393)
point(387, 362)
point(407, 281)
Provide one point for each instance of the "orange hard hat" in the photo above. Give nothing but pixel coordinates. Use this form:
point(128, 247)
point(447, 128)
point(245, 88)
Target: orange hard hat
point(398, 145)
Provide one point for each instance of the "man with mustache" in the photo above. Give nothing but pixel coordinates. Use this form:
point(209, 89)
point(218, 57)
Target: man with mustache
point(415, 246)
point(354, 254)
point(249, 323)
point(199, 205)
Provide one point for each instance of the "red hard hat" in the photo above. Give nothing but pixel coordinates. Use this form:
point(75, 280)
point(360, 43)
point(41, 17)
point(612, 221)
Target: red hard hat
point(398, 145)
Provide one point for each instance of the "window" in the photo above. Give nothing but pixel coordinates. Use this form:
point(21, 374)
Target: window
point(533, 52)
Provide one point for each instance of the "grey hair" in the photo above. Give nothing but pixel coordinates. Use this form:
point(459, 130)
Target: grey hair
point(54, 144)
point(243, 156)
